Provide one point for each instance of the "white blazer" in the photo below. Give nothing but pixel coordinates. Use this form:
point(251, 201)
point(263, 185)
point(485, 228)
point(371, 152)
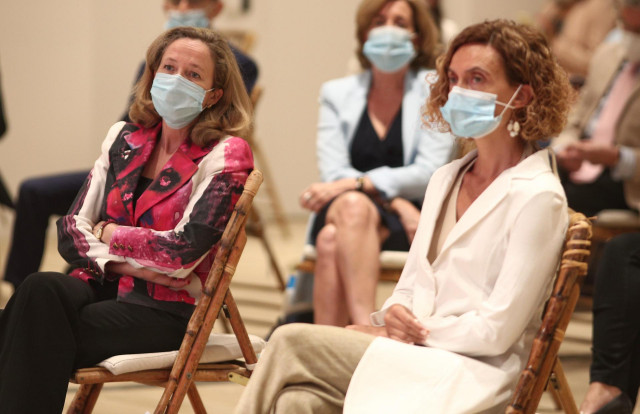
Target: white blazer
point(342, 102)
point(480, 299)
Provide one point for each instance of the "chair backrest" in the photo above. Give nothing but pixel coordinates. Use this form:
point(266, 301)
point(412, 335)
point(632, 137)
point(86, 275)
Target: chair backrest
point(558, 312)
point(242, 39)
point(256, 94)
point(213, 296)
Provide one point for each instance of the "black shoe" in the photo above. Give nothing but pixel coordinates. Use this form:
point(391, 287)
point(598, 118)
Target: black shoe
point(619, 405)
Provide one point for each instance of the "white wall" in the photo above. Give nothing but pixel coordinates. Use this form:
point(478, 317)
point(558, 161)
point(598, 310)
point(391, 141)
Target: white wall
point(467, 12)
point(67, 68)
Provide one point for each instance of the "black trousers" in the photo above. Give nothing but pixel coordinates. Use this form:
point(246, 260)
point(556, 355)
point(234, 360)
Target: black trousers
point(55, 323)
point(591, 198)
point(38, 200)
point(616, 316)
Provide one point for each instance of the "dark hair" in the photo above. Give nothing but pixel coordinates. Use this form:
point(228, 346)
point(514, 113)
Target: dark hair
point(231, 115)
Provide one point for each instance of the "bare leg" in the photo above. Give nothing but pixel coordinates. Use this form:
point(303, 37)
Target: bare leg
point(358, 243)
point(598, 394)
point(329, 301)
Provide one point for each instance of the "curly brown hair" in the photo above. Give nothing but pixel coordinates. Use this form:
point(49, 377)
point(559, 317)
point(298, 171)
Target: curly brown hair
point(425, 29)
point(527, 60)
point(231, 115)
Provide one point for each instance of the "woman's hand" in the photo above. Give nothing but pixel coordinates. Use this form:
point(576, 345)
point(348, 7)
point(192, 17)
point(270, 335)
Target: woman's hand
point(569, 158)
point(371, 330)
point(148, 275)
point(409, 216)
point(572, 156)
point(403, 326)
point(317, 195)
point(597, 153)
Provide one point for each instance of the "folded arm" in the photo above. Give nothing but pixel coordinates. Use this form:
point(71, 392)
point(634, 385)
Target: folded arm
point(173, 252)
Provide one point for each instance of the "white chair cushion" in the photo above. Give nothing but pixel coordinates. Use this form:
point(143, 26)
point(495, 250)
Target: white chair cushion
point(220, 347)
point(389, 259)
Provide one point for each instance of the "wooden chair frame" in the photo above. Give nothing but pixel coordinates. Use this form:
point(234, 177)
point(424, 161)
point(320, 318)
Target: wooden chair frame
point(255, 225)
point(543, 367)
point(242, 39)
point(179, 380)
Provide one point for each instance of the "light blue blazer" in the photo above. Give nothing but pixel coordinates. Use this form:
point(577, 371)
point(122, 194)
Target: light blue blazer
point(342, 102)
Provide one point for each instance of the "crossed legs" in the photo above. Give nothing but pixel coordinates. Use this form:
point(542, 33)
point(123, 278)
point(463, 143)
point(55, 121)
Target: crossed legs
point(348, 261)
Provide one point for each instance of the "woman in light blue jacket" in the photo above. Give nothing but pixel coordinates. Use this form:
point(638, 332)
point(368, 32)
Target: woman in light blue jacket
point(375, 158)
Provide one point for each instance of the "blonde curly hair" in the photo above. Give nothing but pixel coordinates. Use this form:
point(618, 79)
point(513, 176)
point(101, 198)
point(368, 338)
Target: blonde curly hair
point(527, 60)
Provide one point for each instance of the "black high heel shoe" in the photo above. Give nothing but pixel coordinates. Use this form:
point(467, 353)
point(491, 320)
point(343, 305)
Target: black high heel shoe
point(619, 405)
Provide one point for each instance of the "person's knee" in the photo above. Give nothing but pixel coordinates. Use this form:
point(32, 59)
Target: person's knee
point(290, 334)
point(354, 209)
point(41, 283)
point(300, 400)
point(291, 340)
point(326, 241)
point(29, 190)
point(624, 242)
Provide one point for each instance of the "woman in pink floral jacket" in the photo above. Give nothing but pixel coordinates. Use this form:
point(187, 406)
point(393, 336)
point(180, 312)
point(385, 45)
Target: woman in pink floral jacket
point(143, 230)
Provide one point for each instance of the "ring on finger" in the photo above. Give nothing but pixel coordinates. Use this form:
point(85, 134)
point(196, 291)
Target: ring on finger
point(307, 196)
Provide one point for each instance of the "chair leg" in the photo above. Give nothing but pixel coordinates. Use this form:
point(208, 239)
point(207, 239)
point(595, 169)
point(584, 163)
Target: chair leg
point(272, 193)
point(555, 398)
point(85, 399)
point(560, 387)
point(255, 228)
point(196, 401)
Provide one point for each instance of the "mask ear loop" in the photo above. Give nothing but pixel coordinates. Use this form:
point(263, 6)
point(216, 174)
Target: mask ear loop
point(513, 126)
point(508, 104)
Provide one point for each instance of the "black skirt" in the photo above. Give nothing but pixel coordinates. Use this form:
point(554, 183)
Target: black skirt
point(397, 239)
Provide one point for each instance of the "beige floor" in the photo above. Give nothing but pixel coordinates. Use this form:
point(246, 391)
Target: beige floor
point(260, 307)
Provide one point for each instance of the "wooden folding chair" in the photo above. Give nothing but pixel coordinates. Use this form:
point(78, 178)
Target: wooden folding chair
point(269, 190)
point(255, 226)
point(543, 369)
point(179, 379)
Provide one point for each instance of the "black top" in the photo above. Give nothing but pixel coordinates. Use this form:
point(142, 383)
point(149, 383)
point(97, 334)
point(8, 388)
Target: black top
point(369, 151)
point(143, 183)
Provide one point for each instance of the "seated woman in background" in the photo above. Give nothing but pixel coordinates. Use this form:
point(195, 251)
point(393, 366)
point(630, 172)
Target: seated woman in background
point(142, 232)
point(615, 369)
point(458, 328)
point(375, 158)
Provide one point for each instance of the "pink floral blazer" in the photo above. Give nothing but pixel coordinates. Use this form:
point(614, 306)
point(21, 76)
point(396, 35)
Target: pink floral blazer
point(177, 221)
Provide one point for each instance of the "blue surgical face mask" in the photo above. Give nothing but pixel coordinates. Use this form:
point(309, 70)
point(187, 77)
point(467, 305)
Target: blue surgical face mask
point(192, 18)
point(471, 113)
point(389, 48)
point(177, 100)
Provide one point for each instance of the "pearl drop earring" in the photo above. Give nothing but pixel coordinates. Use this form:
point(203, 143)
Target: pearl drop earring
point(514, 128)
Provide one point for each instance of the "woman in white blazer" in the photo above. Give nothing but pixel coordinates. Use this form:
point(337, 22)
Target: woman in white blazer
point(374, 156)
point(459, 326)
